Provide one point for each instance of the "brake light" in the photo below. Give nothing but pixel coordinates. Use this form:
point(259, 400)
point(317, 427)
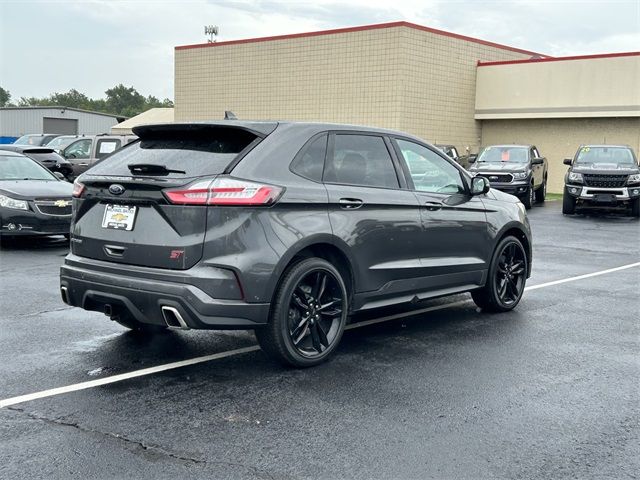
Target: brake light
point(78, 189)
point(225, 191)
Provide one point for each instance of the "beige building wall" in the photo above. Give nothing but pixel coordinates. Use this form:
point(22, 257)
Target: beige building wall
point(558, 139)
point(402, 77)
point(596, 86)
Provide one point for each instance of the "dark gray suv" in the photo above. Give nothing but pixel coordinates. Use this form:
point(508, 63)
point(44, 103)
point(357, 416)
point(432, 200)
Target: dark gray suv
point(287, 229)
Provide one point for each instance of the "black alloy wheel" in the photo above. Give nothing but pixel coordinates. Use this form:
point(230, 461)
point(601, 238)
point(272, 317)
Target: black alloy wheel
point(529, 197)
point(507, 278)
point(309, 314)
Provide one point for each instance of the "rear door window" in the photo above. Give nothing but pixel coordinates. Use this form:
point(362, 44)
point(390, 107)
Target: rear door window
point(361, 160)
point(205, 152)
point(105, 146)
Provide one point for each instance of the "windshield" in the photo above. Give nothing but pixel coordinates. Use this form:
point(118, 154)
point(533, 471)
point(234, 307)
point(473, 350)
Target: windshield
point(612, 155)
point(59, 143)
point(503, 154)
point(22, 168)
point(30, 140)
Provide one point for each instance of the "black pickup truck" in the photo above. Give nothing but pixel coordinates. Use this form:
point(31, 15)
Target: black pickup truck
point(602, 177)
point(516, 169)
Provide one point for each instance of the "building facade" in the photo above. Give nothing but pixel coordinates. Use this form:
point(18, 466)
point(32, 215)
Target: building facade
point(443, 87)
point(18, 121)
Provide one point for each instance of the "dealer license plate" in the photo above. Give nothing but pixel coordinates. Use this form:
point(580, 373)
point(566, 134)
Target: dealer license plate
point(119, 217)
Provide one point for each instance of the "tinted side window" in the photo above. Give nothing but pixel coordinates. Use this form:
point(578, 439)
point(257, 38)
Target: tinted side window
point(429, 171)
point(361, 160)
point(309, 163)
point(106, 146)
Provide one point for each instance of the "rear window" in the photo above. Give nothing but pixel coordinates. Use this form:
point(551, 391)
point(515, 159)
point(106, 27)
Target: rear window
point(195, 153)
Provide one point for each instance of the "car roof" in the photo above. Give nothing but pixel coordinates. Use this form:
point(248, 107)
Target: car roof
point(11, 153)
point(592, 145)
point(263, 127)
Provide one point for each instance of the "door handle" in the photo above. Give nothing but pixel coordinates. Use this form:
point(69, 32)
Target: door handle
point(350, 203)
point(432, 206)
point(83, 164)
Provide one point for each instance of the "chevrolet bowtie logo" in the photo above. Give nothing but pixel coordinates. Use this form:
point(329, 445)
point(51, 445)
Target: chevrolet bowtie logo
point(62, 203)
point(118, 217)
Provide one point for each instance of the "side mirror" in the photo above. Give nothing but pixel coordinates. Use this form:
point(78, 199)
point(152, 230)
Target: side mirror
point(479, 185)
point(472, 158)
point(59, 176)
point(537, 161)
point(568, 161)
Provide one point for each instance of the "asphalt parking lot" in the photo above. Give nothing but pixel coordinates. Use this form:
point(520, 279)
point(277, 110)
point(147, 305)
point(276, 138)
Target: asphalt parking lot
point(550, 390)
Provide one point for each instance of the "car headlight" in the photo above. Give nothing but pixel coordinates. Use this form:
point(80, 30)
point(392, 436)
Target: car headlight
point(520, 175)
point(8, 202)
point(635, 178)
point(576, 177)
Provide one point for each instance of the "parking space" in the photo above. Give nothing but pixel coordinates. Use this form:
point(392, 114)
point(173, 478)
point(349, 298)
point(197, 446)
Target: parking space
point(549, 390)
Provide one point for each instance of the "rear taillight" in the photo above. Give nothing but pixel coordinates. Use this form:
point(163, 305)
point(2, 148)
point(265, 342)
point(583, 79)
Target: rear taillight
point(224, 191)
point(78, 188)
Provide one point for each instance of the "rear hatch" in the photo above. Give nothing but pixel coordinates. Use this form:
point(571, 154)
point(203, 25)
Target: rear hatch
point(122, 213)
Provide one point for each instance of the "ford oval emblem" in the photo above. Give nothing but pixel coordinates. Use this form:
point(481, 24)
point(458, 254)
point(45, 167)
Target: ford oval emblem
point(116, 189)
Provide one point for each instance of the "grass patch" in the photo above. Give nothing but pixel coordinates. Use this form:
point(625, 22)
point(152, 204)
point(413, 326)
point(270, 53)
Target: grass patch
point(554, 196)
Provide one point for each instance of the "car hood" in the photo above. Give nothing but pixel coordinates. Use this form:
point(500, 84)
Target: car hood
point(606, 169)
point(498, 167)
point(26, 189)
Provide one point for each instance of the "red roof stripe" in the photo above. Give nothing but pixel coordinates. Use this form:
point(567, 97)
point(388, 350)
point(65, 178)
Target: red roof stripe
point(560, 59)
point(359, 29)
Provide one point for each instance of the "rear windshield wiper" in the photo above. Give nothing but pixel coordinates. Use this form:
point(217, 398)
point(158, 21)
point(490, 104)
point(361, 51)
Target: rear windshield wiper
point(151, 169)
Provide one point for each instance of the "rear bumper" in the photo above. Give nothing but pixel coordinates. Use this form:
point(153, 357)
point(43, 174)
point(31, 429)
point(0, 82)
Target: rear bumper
point(144, 298)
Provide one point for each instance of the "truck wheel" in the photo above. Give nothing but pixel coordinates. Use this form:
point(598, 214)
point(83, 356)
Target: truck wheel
point(635, 208)
point(568, 204)
point(308, 315)
point(528, 198)
point(541, 193)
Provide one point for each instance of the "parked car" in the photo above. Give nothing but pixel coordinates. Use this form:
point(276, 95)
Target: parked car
point(36, 139)
point(602, 177)
point(46, 156)
point(59, 143)
point(516, 169)
point(286, 228)
point(449, 150)
point(86, 150)
point(33, 201)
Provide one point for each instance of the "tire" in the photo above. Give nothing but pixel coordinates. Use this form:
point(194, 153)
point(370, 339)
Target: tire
point(635, 208)
point(541, 193)
point(568, 204)
point(528, 199)
point(132, 324)
point(299, 334)
point(490, 297)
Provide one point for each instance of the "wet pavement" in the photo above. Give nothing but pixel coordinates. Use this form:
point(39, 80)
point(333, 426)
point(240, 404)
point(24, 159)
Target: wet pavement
point(550, 390)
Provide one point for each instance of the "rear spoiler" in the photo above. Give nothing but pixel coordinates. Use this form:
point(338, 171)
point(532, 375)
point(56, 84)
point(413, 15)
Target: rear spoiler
point(259, 129)
point(38, 150)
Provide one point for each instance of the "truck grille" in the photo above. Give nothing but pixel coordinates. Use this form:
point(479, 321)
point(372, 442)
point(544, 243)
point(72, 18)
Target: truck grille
point(58, 208)
point(498, 177)
point(605, 181)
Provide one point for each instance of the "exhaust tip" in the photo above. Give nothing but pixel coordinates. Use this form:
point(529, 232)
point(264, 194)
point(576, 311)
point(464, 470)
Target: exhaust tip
point(172, 318)
point(64, 293)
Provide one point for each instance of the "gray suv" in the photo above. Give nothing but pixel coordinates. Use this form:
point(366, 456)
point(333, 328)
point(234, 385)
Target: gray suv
point(286, 229)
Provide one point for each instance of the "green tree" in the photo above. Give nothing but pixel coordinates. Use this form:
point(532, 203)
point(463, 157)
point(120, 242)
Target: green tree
point(125, 101)
point(5, 97)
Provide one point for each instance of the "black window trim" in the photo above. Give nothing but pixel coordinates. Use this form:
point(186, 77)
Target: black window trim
point(331, 148)
point(78, 140)
point(465, 177)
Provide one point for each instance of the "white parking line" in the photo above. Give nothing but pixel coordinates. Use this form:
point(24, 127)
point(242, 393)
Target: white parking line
point(239, 351)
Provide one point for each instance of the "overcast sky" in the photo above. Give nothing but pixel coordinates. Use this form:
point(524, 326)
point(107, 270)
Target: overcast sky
point(48, 46)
